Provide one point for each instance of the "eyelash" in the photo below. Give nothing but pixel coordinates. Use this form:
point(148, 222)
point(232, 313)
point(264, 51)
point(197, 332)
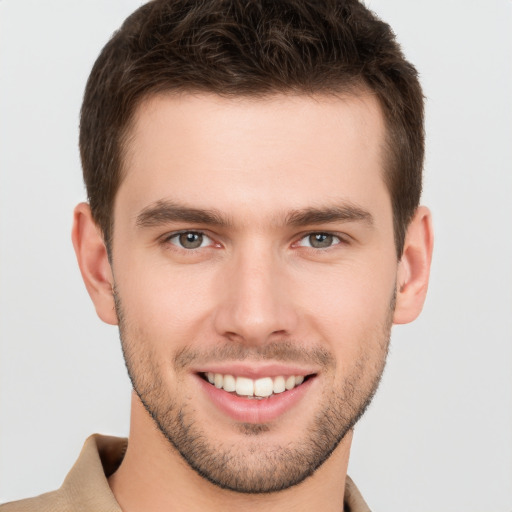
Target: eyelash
point(176, 236)
point(341, 239)
point(307, 237)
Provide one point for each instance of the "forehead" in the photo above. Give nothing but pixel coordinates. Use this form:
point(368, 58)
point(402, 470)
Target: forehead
point(282, 150)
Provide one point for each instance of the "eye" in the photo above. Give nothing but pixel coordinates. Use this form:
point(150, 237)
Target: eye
point(319, 240)
point(190, 240)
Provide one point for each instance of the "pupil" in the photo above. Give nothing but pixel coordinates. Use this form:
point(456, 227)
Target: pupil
point(191, 240)
point(320, 240)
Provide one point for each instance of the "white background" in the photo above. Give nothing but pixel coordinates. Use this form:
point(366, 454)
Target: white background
point(439, 433)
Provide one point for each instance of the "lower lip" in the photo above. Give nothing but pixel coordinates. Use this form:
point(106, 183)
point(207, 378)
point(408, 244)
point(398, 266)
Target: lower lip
point(247, 410)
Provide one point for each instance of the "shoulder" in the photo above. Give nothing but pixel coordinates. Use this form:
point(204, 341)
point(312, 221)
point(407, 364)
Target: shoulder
point(85, 488)
point(51, 501)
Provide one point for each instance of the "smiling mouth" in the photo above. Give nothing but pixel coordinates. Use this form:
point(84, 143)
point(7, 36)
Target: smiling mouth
point(254, 388)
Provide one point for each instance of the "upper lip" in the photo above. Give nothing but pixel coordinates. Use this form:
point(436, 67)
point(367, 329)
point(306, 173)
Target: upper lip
point(256, 370)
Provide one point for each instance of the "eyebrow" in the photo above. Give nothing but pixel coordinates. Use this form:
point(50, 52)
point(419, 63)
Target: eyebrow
point(343, 213)
point(163, 212)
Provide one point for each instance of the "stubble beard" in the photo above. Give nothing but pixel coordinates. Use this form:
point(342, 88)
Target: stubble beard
point(255, 467)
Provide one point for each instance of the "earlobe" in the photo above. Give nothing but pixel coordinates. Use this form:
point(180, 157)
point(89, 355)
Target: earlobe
point(414, 267)
point(92, 257)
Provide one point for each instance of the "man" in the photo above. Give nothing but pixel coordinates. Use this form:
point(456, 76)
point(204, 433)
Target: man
point(254, 174)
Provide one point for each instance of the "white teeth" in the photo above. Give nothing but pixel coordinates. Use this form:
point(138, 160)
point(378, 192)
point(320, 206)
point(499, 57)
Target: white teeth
point(260, 388)
point(290, 382)
point(219, 380)
point(279, 385)
point(229, 383)
point(263, 387)
point(244, 386)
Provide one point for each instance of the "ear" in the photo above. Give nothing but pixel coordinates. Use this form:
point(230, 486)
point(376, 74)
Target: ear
point(92, 257)
point(414, 267)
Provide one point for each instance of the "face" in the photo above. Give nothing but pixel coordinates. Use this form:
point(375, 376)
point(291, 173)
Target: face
point(255, 274)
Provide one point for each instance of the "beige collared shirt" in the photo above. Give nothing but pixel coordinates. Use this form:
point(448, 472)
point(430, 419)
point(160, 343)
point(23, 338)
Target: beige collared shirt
point(86, 488)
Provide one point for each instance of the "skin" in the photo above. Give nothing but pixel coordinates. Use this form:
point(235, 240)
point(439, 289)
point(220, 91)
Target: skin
point(263, 167)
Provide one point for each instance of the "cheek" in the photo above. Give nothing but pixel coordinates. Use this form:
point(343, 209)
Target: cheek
point(165, 303)
point(350, 293)
point(350, 309)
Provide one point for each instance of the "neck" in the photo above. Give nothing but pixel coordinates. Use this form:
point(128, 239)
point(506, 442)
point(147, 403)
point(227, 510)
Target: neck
point(153, 476)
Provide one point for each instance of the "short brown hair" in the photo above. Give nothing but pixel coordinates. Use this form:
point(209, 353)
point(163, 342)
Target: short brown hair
point(252, 48)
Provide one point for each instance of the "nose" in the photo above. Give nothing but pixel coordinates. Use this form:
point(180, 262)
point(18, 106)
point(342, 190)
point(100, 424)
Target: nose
point(256, 298)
